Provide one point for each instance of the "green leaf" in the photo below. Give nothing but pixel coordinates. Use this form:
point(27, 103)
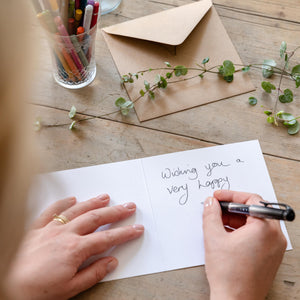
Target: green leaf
point(125, 111)
point(270, 120)
point(246, 69)
point(268, 86)
point(162, 83)
point(288, 119)
point(267, 67)
point(201, 75)
point(267, 112)
point(180, 70)
point(252, 101)
point(126, 107)
point(227, 69)
point(297, 80)
point(157, 78)
point(169, 75)
point(147, 85)
point(287, 96)
point(120, 101)
point(296, 70)
point(135, 75)
point(142, 93)
point(205, 60)
point(151, 95)
point(228, 78)
point(283, 47)
point(294, 128)
point(72, 112)
point(72, 126)
point(168, 64)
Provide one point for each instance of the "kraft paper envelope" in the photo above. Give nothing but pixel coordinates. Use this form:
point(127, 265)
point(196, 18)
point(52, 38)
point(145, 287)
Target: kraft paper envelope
point(183, 35)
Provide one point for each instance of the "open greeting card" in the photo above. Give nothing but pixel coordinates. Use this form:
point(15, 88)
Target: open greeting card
point(169, 191)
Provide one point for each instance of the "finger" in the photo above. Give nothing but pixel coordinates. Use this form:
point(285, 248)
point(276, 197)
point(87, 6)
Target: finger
point(90, 221)
point(92, 274)
point(101, 241)
point(233, 220)
point(238, 197)
point(56, 208)
point(85, 206)
point(213, 227)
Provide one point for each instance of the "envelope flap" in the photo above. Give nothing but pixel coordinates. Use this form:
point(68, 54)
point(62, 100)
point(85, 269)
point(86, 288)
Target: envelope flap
point(170, 27)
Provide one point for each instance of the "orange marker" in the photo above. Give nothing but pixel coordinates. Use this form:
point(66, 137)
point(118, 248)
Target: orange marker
point(80, 32)
point(68, 59)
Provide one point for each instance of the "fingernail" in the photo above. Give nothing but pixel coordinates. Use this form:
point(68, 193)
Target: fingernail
point(103, 197)
point(208, 202)
point(111, 265)
point(72, 200)
point(138, 227)
point(130, 205)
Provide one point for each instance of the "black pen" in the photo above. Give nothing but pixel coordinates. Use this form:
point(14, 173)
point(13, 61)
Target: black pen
point(260, 211)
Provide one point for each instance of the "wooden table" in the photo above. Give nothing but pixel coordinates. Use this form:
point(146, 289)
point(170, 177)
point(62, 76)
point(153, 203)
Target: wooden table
point(256, 29)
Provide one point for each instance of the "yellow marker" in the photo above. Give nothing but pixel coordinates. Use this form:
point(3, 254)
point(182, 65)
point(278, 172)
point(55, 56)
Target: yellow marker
point(78, 16)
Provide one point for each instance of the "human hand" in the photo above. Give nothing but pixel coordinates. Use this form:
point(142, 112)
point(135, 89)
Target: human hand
point(240, 264)
point(47, 263)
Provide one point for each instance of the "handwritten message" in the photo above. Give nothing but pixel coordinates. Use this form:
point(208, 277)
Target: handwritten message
point(200, 177)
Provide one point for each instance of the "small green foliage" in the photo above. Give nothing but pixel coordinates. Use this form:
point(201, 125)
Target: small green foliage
point(168, 64)
point(180, 71)
point(161, 81)
point(127, 78)
point(169, 75)
point(252, 101)
point(119, 102)
point(296, 70)
point(296, 75)
point(72, 112)
point(227, 70)
point(283, 47)
point(124, 105)
point(151, 95)
point(268, 86)
point(270, 120)
point(268, 112)
point(205, 60)
point(147, 85)
point(287, 96)
point(72, 126)
point(288, 119)
point(246, 69)
point(201, 75)
point(294, 128)
point(267, 68)
point(142, 93)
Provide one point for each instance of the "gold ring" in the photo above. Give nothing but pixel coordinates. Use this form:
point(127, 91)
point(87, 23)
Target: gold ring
point(61, 218)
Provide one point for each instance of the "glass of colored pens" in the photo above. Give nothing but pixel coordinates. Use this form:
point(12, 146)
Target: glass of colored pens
point(71, 26)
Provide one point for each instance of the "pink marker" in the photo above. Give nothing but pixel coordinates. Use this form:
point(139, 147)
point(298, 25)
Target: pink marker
point(65, 36)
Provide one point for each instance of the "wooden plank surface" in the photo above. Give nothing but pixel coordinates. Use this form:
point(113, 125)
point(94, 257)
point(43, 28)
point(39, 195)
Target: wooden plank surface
point(225, 121)
point(256, 29)
point(103, 141)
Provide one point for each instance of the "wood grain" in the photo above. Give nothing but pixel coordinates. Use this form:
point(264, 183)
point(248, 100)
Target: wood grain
point(103, 141)
point(256, 29)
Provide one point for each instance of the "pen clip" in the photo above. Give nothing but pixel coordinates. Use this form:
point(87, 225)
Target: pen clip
point(279, 204)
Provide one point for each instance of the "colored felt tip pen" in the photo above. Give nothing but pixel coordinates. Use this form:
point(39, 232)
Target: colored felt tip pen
point(260, 211)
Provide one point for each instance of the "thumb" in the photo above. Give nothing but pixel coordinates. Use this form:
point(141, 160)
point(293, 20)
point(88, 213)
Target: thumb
point(213, 227)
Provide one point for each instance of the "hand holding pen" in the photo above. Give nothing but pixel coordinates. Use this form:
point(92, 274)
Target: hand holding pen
point(242, 254)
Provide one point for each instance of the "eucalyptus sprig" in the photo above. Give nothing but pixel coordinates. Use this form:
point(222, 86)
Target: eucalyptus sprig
point(175, 74)
point(168, 74)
